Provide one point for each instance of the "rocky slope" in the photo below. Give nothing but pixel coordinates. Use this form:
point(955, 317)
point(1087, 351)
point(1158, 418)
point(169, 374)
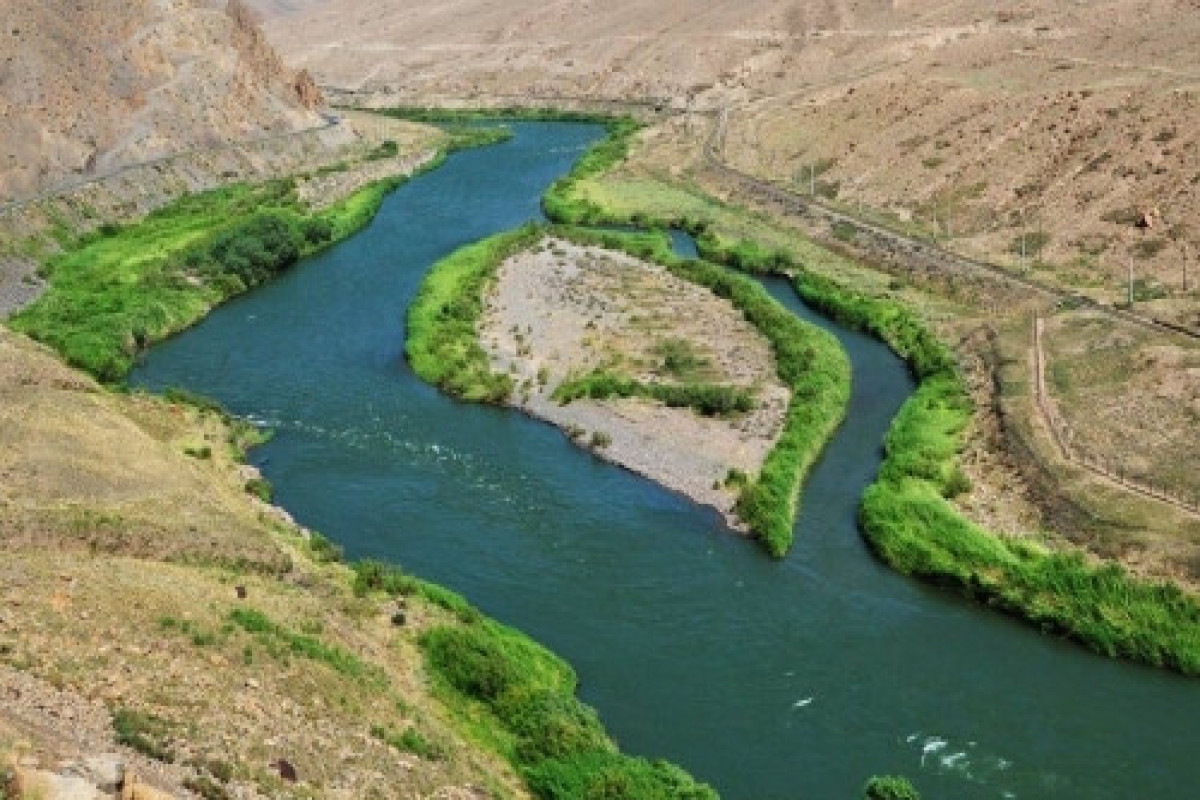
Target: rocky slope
point(88, 86)
point(132, 562)
point(1071, 123)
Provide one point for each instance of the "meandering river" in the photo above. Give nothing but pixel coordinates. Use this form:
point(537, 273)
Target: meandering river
point(770, 680)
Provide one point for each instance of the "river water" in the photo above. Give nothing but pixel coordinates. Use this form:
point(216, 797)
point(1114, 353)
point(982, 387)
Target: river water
point(772, 680)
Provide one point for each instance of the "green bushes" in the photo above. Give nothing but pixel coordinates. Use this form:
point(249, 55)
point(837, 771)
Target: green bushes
point(114, 292)
point(708, 399)
point(560, 203)
point(908, 521)
point(556, 742)
point(442, 345)
point(890, 787)
point(145, 733)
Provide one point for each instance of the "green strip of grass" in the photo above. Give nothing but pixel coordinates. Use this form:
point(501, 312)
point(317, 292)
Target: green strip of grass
point(910, 523)
point(114, 292)
point(443, 344)
point(555, 741)
point(711, 400)
point(562, 202)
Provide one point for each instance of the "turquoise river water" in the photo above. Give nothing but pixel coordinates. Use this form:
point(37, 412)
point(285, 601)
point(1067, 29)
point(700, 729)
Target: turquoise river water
point(772, 680)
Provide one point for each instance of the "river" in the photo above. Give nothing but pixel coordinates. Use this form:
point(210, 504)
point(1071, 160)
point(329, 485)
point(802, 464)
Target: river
point(772, 680)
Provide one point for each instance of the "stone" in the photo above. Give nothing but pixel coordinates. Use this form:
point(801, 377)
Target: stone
point(134, 789)
point(106, 771)
point(51, 786)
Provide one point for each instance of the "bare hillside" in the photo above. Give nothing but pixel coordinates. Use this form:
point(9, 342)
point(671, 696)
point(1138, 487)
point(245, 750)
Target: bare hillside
point(91, 85)
point(1074, 123)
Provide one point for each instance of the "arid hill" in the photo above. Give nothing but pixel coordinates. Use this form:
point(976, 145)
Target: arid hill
point(1072, 123)
point(89, 86)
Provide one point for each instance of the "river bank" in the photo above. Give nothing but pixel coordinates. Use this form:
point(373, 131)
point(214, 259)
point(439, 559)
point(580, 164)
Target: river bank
point(842, 667)
point(439, 739)
point(1100, 605)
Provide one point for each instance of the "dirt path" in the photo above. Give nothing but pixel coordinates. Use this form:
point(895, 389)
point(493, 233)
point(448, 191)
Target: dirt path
point(1048, 412)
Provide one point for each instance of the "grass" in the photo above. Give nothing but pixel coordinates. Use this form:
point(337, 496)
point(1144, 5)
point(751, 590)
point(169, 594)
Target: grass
point(909, 522)
point(121, 288)
point(890, 787)
point(708, 399)
point(280, 642)
point(442, 345)
point(114, 292)
point(144, 733)
point(556, 742)
point(410, 741)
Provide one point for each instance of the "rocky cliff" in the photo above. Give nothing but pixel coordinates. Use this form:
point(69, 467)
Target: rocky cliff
point(89, 86)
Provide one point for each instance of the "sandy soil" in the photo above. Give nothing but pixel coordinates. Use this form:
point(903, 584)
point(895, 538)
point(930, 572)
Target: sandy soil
point(563, 309)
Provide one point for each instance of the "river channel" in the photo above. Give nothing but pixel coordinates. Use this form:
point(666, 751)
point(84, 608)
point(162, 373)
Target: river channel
point(771, 680)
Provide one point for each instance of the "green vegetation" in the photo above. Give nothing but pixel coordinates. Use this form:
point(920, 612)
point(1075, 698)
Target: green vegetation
point(679, 358)
point(119, 289)
point(260, 488)
point(563, 204)
point(410, 741)
point(443, 348)
point(279, 642)
point(143, 732)
point(555, 741)
point(322, 550)
point(706, 398)
point(890, 787)
point(371, 576)
point(442, 344)
point(909, 522)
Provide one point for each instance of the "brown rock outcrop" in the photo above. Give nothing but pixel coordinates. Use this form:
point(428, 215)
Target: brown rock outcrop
point(109, 84)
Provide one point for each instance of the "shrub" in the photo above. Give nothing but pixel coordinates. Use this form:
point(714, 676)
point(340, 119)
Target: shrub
point(557, 742)
point(144, 733)
point(375, 576)
point(890, 787)
point(410, 741)
point(322, 549)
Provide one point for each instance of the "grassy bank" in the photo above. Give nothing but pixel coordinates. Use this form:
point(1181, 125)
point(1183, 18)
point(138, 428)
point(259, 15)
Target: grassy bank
point(117, 290)
point(442, 343)
point(443, 348)
point(513, 696)
point(908, 519)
